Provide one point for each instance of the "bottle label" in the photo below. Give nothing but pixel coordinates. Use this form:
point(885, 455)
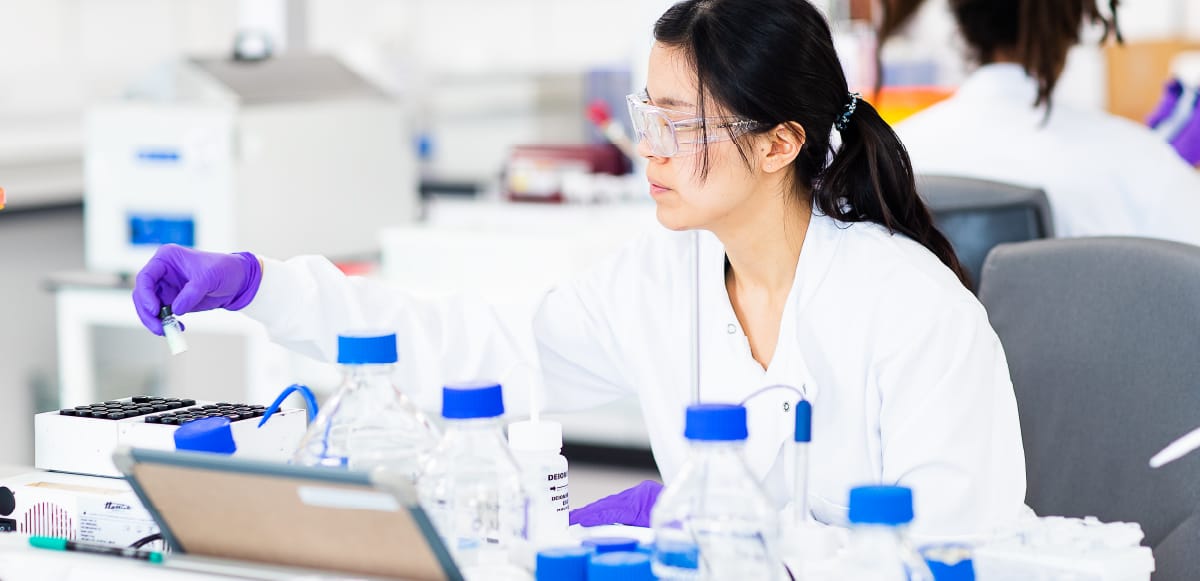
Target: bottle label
point(556, 484)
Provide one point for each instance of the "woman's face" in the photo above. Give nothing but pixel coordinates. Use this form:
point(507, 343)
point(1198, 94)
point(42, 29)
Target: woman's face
point(684, 202)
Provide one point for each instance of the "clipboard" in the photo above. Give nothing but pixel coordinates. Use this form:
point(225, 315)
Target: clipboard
point(208, 505)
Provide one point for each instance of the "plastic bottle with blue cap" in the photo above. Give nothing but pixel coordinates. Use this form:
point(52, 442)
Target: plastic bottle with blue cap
point(715, 521)
point(471, 485)
point(563, 564)
point(369, 423)
point(878, 548)
point(620, 566)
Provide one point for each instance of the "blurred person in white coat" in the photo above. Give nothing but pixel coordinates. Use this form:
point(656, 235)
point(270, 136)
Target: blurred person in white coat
point(780, 263)
point(1104, 175)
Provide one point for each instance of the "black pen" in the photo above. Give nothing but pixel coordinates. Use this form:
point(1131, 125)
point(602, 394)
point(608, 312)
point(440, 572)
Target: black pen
point(56, 544)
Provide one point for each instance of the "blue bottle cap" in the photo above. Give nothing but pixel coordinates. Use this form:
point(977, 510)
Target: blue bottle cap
point(206, 435)
point(678, 555)
point(881, 505)
point(620, 567)
point(803, 421)
point(563, 564)
point(367, 349)
point(949, 562)
point(472, 400)
point(603, 545)
point(715, 422)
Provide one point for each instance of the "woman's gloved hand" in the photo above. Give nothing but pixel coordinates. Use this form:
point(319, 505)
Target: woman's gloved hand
point(1166, 106)
point(629, 507)
point(190, 280)
point(1187, 141)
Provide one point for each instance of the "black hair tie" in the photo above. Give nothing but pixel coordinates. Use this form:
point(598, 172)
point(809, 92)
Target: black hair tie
point(843, 120)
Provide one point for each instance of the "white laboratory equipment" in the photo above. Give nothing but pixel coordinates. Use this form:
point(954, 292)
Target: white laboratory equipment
point(471, 486)
point(81, 439)
point(368, 423)
point(714, 521)
point(90, 509)
point(878, 548)
point(537, 447)
point(290, 155)
point(1054, 548)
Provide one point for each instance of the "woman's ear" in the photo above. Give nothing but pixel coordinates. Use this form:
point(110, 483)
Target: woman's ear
point(784, 142)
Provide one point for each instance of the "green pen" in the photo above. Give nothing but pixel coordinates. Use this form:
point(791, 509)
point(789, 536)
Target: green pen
point(56, 544)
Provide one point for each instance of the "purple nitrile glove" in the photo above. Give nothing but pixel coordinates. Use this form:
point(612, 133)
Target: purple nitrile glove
point(628, 507)
point(1166, 106)
point(1187, 141)
point(190, 280)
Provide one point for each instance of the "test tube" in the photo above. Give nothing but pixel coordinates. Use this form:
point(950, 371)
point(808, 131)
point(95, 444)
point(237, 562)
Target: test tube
point(801, 440)
point(172, 330)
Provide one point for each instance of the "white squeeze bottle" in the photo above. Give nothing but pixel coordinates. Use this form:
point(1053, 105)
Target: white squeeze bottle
point(537, 448)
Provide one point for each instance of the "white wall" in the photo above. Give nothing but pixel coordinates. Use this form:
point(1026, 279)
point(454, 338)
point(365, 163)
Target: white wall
point(57, 53)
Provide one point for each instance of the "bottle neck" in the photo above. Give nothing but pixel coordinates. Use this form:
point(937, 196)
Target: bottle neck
point(368, 370)
point(472, 424)
point(876, 535)
point(717, 447)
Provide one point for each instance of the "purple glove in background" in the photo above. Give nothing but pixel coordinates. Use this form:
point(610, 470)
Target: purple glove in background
point(190, 280)
point(1187, 141)
point(629, 507)
point(1170, 98)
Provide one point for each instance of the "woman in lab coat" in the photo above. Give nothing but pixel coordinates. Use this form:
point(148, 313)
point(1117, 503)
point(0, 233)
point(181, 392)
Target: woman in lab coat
point(783, 262)
point(1103, 175)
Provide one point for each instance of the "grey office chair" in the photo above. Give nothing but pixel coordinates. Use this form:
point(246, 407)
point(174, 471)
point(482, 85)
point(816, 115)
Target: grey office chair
point(976, 215)
point(1103, 341)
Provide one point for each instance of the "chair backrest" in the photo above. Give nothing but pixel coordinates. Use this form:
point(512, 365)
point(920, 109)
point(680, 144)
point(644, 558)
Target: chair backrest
point(976, 215)
point(1102, 337)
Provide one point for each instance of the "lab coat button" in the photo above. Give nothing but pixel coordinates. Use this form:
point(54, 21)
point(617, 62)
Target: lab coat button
point(787, 406)
point(732, 328)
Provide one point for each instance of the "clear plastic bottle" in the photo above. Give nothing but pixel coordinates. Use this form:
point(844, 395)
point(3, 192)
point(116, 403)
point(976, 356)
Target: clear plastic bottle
point(715, 522)
point(368, 423)
point(878, 549)
point(537, 447)
point(471, 485)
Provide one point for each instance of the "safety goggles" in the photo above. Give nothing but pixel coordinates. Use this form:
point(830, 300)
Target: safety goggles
point(672, 133)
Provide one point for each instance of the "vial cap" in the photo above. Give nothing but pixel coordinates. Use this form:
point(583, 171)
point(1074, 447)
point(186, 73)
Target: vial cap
point(602, 545)
point(881, 505)
point(716, 422)
point(563, 564)
point(620, 567)
point(367, 349)
point(206, 435)
point(803, 421)
point(541, 436)
point(472, 400)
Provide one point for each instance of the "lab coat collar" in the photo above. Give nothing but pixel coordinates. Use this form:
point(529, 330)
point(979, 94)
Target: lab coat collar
point(999, 81)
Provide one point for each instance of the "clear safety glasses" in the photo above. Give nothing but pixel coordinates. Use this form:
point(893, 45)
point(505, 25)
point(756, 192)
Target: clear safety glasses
point(676, 133)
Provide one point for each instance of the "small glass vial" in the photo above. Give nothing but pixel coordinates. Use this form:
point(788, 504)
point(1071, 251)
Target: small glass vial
point(172, 330)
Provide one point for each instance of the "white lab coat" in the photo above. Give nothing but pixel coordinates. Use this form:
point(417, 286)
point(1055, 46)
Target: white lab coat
point(1103, 175)
point(908, 381)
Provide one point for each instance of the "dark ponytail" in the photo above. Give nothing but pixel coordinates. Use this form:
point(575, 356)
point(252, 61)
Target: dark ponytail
point(773, 61)
point(871, 180)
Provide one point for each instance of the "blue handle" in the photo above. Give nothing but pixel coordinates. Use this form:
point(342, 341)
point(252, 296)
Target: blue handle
point(309, 400)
